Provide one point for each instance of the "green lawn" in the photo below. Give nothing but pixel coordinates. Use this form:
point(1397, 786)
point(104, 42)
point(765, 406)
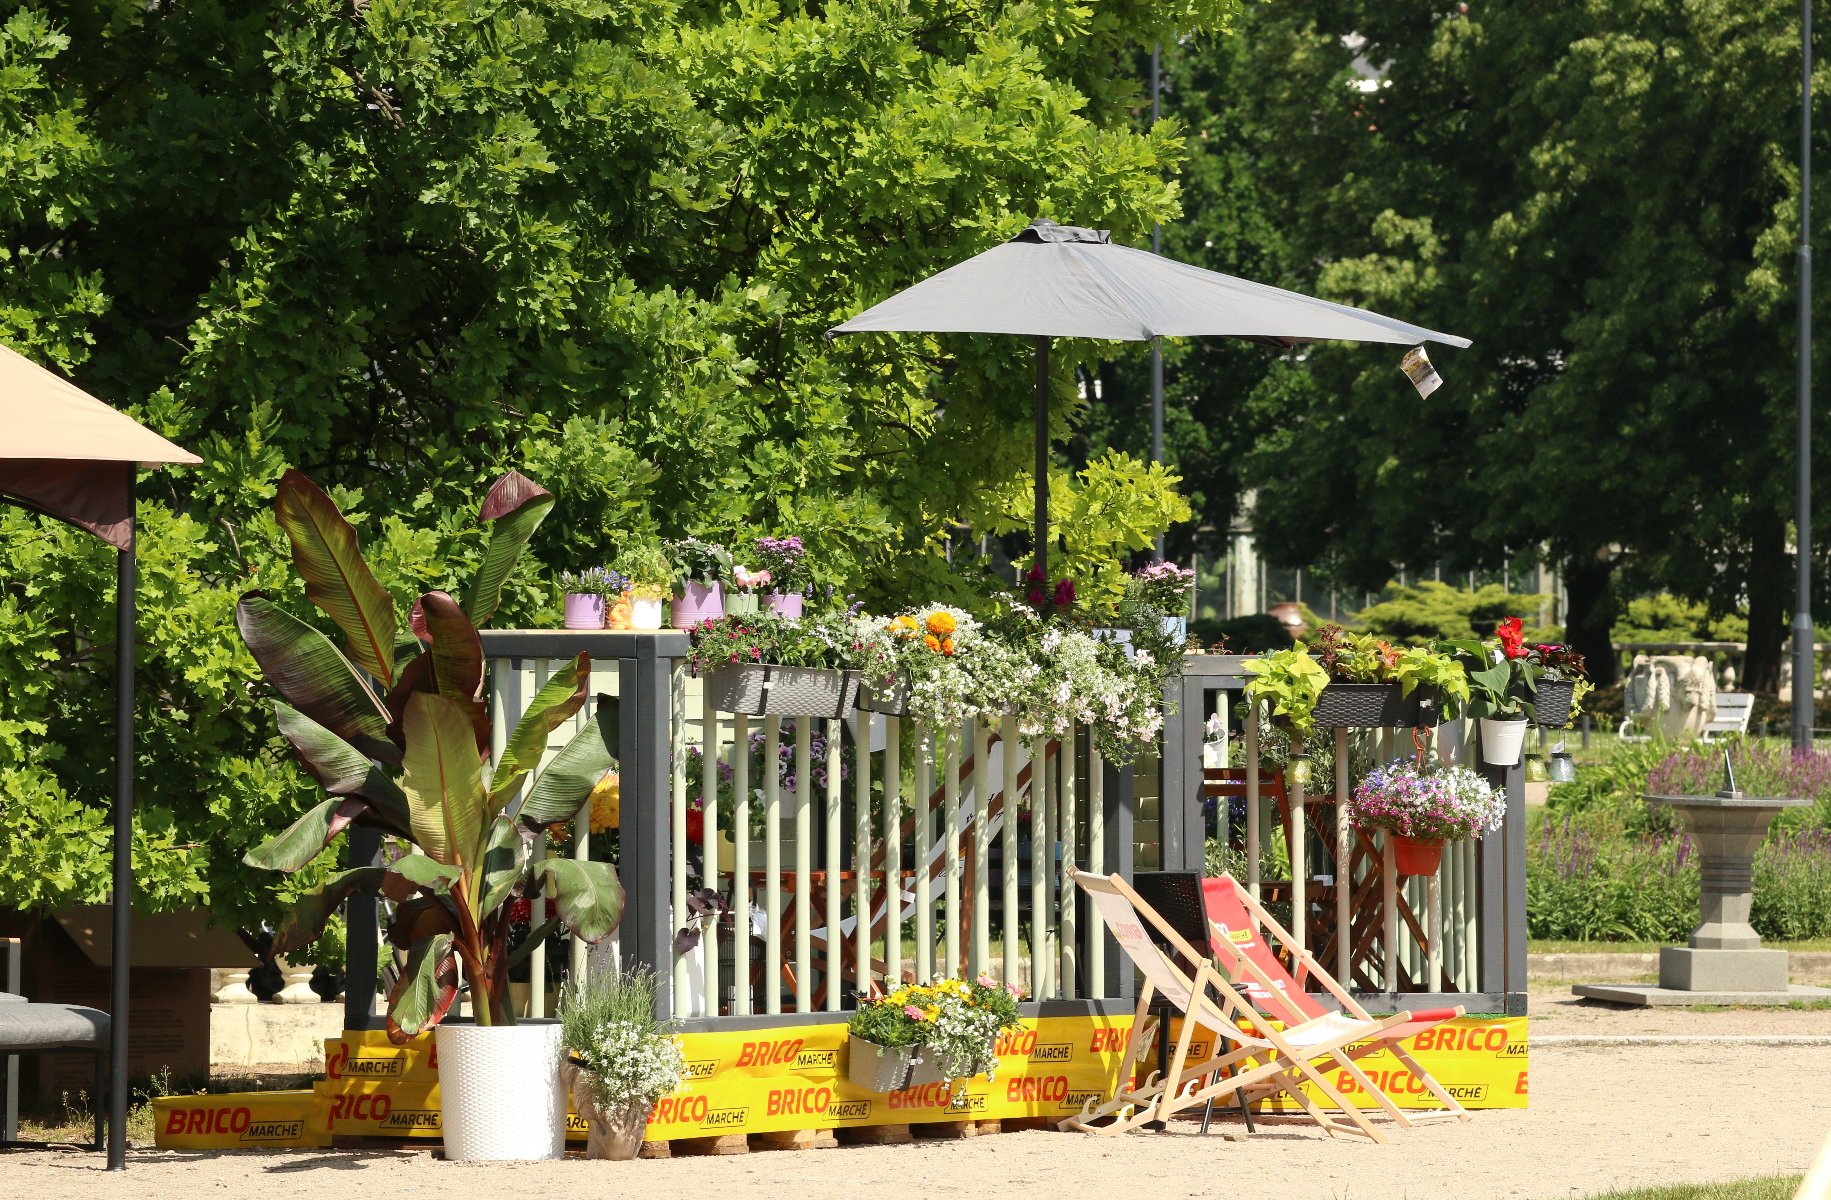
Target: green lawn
point(1766, 1187)
point(1561, 946)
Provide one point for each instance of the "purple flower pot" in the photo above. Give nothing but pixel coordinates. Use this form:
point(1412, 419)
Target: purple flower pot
point(699, 602)
point(786, 604)
point(584, 610)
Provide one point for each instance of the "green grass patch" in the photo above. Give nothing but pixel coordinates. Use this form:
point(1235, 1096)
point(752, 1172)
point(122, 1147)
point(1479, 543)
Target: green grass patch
point(1572, 946)
point(1765, 1187)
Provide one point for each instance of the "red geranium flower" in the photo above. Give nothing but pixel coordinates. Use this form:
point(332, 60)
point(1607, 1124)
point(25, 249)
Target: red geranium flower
point(1512, 639)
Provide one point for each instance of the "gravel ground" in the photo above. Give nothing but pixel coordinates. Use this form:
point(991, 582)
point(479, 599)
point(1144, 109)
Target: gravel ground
point(1601, 1117)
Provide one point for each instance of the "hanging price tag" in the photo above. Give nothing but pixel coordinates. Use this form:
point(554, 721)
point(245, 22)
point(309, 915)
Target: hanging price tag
point(1417, 368)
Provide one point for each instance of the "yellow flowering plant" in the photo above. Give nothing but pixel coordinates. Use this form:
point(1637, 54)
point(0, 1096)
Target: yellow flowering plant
point(954, 1020)
point(926, 651)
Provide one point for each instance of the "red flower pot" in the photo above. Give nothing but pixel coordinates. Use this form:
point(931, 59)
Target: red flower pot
point(1416, 856)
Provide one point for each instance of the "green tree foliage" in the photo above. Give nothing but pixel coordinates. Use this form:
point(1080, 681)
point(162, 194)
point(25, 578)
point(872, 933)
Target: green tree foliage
point(1601, 195)
point(405, 245)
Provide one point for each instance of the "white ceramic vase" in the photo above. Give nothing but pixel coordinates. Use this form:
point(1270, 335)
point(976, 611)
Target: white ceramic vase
point(644, 613)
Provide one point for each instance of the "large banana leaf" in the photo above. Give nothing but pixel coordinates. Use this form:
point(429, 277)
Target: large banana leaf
point(313, 676)
point(443, 779)
point(300, 843)
point(457, 652)
point(566, 784)
point(420, 917)
point(329, 558)
point(306, 921)
point(425, 990)
point(552, 706)
point(587, 895)
point(514, 508)
point(503, 864)
point(342, 769)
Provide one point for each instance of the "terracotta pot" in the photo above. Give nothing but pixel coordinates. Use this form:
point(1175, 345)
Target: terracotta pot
point(1416, 856)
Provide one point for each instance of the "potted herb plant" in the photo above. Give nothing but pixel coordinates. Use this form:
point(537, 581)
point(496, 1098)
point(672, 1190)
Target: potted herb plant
point(1421, 809)
point(770, 665)
point(620, 1060)
point(651, 579)
point(701, 570)
point(586, 593)
point(785, 561)
point(1501, 679)
point(409, 755)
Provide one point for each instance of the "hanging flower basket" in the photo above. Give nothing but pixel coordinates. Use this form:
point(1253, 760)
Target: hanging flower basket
point(1416, 856)
point(1366, 706)
point(1552, 702)
point(771, 690)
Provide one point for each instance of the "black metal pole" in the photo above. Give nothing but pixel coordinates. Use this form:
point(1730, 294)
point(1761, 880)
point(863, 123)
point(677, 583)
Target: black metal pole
point(1156, 248)
point(1042, 462)
point(1805, 673)
point(361, 941)
point(120, 964)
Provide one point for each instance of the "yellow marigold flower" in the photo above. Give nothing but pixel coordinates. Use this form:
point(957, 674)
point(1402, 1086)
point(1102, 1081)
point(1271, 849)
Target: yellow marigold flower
point(941, 624)
point(607, 803)
point(947, 647)
point(932, 642)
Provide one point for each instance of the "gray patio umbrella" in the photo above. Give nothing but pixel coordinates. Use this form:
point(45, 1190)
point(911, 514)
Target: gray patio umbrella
point(1064, 281)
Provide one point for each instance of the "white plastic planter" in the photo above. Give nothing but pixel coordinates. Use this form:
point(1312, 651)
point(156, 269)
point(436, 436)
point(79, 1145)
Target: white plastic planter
point(500, 1095)
point(644, 613)
point(1502, 741)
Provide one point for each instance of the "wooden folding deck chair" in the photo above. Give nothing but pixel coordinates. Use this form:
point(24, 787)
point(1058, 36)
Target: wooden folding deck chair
point(1251, 1055)
point(1238, 929)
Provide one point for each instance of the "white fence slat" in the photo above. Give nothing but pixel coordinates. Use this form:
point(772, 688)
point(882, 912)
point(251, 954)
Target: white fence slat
point(772, 865)
point(740, 865)
point(924, 848)
point(1344, 862)
point(1096, 863)
point(1067, 819)
point(804, 856)
point(708, 847)
point(1041, 855)
point(1007, 740)
point(893, 850)
point(983, 786)
point(950, 824)
point(835, 849)
point(861, 856)
point(1255, 845)
point(1300, 867)
point(678, 774)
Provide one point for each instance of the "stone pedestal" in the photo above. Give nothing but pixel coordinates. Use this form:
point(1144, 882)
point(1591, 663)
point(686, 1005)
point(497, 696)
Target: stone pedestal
point(1725, 962)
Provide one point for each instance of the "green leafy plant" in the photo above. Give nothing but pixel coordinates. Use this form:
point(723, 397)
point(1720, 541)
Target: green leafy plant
point(624, 1055)
point(648, 569)
point(1292, 681)
point(1501, 674)
point(400, 737)
point(1431, 669)
point(697, 561)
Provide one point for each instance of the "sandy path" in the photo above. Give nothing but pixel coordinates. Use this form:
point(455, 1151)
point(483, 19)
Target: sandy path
point(1601, 1117)
point(1555, 1011)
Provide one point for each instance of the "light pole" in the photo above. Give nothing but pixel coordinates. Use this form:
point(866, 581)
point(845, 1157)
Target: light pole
point(1805, 674)
point(1157, 248)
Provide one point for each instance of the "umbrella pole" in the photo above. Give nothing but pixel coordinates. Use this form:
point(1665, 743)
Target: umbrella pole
point(1042, 460)
point(119, 966)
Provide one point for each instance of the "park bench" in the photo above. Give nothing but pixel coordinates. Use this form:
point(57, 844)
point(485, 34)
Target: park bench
point(1732, 714)
point(27, 1028)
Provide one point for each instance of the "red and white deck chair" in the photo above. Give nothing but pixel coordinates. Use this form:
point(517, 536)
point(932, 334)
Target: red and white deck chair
point(1238, 929)
point(1251, 1055)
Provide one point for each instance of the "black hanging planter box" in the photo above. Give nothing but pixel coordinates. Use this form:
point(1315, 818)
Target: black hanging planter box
point(770, 690)
point(1552, 703)
point(1372, 706)
point(892, 701)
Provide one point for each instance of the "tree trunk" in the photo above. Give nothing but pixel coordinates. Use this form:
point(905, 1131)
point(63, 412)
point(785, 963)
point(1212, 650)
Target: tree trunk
point(1770, 575)
point(1589, 618)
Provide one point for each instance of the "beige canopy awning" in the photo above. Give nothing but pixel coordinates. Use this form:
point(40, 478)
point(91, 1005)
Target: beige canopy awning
point(68, 455)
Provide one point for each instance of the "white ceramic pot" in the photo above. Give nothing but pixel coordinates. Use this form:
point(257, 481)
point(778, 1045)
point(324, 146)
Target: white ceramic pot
point(644, 613)
point(500, 1095)
point(1502, 741)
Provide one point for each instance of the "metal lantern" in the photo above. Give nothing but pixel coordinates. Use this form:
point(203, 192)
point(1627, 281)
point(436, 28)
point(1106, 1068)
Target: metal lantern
point(1297, 773)
point(1563, 766)
point(1535, 769)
